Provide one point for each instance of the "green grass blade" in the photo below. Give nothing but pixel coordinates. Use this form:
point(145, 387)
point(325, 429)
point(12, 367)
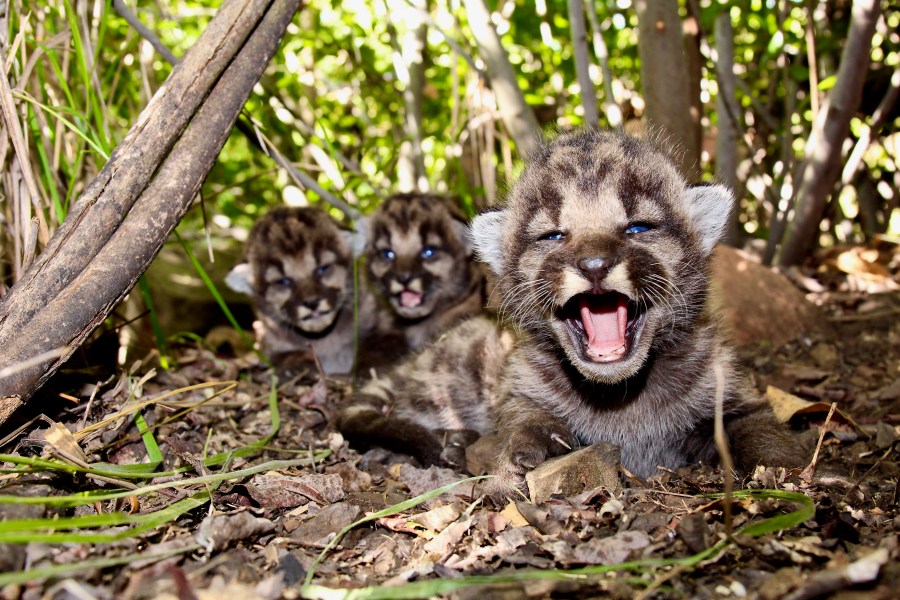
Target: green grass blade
point(434, 587)
point(91, 497)
point(13, 532)
point(150, 444)
point(218, 297)
point(161, 343)
point(386, 512)
point(66, 122)
point(68, 569)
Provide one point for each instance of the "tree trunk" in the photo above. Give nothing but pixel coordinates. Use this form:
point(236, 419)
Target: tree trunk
point(409, 64)
point(664, 78)
point(821, 165)
point(118, 225)
point(727, 111)
point(610, 107)
point(515, 112)
point(582, 62)
point(690, 38)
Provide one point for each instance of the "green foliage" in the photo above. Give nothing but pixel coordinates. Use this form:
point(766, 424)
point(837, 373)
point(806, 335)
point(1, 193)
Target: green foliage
point(331, 99)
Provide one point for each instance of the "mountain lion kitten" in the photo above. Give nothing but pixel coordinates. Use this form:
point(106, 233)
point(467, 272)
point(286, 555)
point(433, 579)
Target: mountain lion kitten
point(602, 253)
point(419, 263)
point(299, 271)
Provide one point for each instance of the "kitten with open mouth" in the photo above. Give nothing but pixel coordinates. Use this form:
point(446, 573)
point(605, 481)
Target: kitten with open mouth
point(602, 256)
point(419, 264)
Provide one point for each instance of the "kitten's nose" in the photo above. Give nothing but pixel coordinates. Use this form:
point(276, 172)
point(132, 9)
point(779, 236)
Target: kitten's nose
point(312, 304)
point(403, 278)
point(595, 268)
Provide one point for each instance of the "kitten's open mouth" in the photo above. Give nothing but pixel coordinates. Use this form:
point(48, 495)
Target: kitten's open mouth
point(605, 325)
point(409, 299)
point(317, 321)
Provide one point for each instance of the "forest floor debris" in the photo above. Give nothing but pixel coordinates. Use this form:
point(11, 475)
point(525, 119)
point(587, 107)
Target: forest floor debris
point(181, 484)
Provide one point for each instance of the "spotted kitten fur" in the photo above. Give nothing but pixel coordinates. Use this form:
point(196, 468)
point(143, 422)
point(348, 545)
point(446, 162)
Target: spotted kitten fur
point(602, 253)
point(298, 269)
point(419, 264)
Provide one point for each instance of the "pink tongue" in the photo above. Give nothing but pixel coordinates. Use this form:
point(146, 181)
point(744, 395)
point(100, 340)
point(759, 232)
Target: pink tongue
point(604, 325)
point(410, 299)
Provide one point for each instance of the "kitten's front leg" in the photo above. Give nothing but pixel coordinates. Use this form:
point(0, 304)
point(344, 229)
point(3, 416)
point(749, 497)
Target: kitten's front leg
point(529, 435)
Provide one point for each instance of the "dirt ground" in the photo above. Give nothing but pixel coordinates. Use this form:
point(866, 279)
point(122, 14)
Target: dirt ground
point(278, 504)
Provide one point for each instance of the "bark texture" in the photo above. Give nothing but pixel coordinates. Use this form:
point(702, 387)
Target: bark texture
point(582, 62)
point(610, 108)
point(122, 220)
point(409, 63)
point(665, 81)
point(727, 133)
point(821, 167)
point(515, 112)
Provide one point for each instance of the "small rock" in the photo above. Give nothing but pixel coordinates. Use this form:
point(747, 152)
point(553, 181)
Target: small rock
point(576, 472)
point(780, 583)
point(650, 521)
point(885, 435)
point(759, 304)
point(317, 531)
point(481, 457)
point(611, 550)
point(12, 556)
point(287, 491)
point(891, 392)
point(825, 355)
point(218, 531)
point(694, 531)
point(420, 481)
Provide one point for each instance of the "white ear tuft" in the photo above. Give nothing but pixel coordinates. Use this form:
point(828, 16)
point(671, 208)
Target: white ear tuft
point(487, 234)
point(240, 279)
point(709, 208)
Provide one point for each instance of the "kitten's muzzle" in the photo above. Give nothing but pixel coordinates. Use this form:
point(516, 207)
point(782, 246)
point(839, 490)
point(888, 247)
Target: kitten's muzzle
point(595, 268)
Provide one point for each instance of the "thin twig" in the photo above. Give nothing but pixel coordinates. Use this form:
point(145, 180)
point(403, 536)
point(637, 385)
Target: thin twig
point(253, 134)
point(807, 474)
point(33, 362)
point(869, 472)
point(144, 32)
point(722, 446)
point(13, 129)
point(450, 41)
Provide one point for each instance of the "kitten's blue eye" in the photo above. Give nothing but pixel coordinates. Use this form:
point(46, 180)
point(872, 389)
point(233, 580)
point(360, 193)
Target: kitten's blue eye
point(323, 270)
point(637, 229)
point(428, 252)
point(388, 254)
point(284, 282)
point(554, 237)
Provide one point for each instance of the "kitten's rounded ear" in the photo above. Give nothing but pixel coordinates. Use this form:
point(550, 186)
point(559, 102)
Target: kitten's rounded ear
point(463, 234)
point(240, 279)
point(487, 234)
point(359, 237)
point(709, 208)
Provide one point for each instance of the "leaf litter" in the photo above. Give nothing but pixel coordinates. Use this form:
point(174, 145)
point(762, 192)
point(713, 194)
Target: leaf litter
point(212, 478)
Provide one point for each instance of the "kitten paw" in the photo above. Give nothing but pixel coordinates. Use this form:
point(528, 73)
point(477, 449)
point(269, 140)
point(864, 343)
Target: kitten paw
point(455, 443)
point(525, 449)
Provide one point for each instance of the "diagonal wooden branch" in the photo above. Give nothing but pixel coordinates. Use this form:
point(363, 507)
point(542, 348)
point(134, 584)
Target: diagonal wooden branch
point(821, 165)
point(514, 110)
point(253, 136)
point(97, 213)
point(583, 63)
point(132, 232)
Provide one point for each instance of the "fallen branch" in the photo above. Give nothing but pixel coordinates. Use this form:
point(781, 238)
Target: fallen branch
point(122, 220)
